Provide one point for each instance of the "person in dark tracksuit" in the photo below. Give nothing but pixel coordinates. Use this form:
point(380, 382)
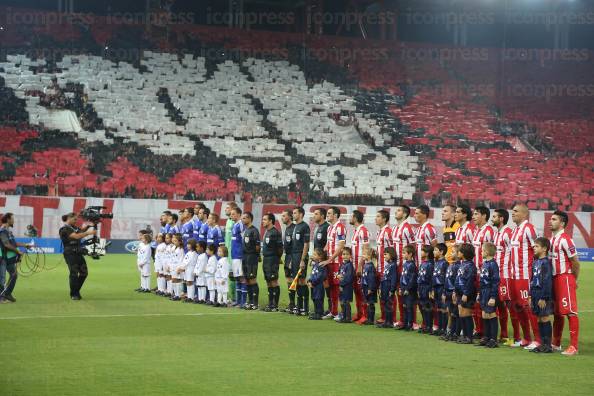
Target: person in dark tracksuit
point(272, 251)
point(389, 280)
point(346, 276)
point(287, 220)
point(369, 284)
point(424, 289)
point(251, 256)
point(408, 286)
point(299, 259)
point(316, 284)
point(465, 294)
point(489, 295)
point(440, 267)
point(446, 298)
point(541, 293)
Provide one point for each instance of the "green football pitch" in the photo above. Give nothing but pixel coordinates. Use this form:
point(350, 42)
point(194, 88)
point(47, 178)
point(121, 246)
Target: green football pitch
point(119, 342)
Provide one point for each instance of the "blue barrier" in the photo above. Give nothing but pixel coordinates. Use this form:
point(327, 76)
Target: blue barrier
point(48, 245)
point(585, 254)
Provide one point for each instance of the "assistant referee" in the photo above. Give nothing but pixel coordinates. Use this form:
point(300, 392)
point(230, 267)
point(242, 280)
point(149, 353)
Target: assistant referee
point(73, 252)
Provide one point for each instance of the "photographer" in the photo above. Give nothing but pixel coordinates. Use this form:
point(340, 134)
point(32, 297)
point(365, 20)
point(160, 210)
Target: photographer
point(73, 252)
point(10, 256)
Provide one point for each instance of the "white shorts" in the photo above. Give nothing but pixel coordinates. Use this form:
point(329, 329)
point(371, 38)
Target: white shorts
point(145, 270)
point(174, 273)
point(200, 280)
point(165, 269)
point(158, 267)
point(236, 268)
point(210, 283)
point(222, 285)
point(189, 275)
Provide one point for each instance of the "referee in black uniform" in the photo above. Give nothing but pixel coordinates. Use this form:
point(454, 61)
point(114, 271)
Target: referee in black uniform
point(272, 251)
point(73, 252)
point(320, 240)
point(287, 219)
point(299, 257)
point(251, 256)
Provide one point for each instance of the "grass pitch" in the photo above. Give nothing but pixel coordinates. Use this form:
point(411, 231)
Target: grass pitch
point(118, 342)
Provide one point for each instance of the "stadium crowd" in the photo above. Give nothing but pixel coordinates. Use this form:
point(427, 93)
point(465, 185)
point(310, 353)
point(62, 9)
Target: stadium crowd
point(465, 283)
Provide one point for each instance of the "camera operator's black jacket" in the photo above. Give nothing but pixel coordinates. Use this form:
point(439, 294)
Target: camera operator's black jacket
point(71, 246)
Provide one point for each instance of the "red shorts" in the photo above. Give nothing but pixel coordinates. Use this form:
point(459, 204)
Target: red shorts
point(520, 291)
point(505, 289)
point(333, 271)
point(564, 289)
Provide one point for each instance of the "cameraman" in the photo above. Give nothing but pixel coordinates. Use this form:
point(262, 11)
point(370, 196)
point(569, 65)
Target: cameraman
point(73, 252)
point(9, 258)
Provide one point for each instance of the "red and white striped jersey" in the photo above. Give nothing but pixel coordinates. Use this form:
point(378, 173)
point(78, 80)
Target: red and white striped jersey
point(485, 234)
point(383, 240)
point(465, 234)
point(360, 238)
point(403, 235)
point(424, 235)
point(522, 253)
point(503, 256)
point(336, 233)
point(562, 249)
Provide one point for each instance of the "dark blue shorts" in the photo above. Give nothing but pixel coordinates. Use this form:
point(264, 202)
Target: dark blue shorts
point(546, 311)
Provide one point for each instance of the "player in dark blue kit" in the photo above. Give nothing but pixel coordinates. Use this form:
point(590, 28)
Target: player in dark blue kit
point(446, 298)
point(214, 235)
point(346, 277)
point(237, 258)
point(465, 294)
point(316, 283)
point(440, 267)
point(489, 295)
point(424, 289)
point(204, 229)
point(164, 220)
point(369, 283)
point(408, 286)
point(187, 229)
point(541, 293)
point(197, 221)
point(173, 227)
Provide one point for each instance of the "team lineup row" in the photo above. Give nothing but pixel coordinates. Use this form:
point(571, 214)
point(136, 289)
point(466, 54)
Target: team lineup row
point(514, 274)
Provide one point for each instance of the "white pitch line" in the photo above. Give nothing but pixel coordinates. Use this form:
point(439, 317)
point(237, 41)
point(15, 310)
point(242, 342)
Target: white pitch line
point(114, 316)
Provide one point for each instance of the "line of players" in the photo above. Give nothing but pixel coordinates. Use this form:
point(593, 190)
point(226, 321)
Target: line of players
point(468, 237)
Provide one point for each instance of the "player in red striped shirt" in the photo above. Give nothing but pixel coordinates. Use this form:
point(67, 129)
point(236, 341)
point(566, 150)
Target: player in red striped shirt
point(522, 254)
point(334, 246)
point(425, 235)
point(464, 234)
point(383, 240)
point(502, 243)
point(566, 268)
point(484, 233)
point(359, 241)
point(403, 235)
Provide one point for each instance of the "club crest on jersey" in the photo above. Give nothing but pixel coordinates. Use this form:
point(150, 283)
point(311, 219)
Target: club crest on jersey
point(246, 239)
point(297, 236)
point(267, 240)
point(319, 235)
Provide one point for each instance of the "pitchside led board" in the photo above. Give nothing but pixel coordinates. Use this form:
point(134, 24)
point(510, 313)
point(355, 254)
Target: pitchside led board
point(131, 215)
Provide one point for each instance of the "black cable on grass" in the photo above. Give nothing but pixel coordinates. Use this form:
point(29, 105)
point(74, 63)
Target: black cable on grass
point(33, 262)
